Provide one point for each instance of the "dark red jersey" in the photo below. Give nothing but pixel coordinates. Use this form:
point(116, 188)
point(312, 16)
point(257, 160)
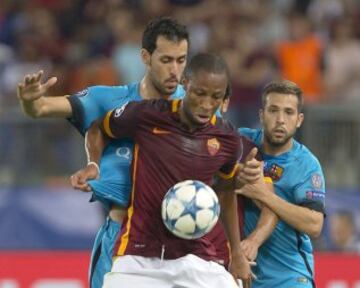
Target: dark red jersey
point(167, 152)
point(217, 235)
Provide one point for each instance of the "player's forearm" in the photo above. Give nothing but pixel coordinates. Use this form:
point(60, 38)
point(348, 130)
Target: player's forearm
point(95, 142)
point(300, 218)
point(264, 227)
point(46, 107)
point(230, 219)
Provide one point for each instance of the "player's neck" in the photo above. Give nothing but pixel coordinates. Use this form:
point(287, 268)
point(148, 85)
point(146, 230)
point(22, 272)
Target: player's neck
point(185, 119)
point(148, 90)
point(274, 150)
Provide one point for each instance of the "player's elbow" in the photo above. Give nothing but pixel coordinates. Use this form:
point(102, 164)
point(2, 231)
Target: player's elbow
point(314, 230)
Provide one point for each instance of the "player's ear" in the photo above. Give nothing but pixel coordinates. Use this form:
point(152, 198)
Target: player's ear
point(300, 120)
point(225, 105)
point(261, 116)
point(145, 56)
point(185, 83)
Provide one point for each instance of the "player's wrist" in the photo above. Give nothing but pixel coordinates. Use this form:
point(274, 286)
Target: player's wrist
point(255, 239)
point(92, 163)
point(236, 250)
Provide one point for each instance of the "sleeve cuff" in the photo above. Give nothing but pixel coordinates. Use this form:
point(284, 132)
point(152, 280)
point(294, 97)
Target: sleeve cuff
point(77, 113)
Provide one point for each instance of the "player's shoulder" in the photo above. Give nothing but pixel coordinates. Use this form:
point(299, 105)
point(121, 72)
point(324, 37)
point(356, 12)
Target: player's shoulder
point(156, 105)
point(223, 124)
point(252, 135)
point(304, 156)
point(226, 129)
point(112, 92)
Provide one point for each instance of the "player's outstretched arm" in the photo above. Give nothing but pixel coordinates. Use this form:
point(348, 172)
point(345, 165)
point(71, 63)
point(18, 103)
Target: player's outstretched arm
point(95, 142)
point(300, 218)
point(33, 101)
point(264, 227)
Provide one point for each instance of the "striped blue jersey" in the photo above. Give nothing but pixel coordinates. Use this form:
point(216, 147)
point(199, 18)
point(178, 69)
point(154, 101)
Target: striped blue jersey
point(92, 103)
point(286, 258)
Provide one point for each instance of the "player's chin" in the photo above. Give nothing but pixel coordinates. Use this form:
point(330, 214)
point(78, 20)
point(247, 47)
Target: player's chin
point(278, 141)
point(170, 89)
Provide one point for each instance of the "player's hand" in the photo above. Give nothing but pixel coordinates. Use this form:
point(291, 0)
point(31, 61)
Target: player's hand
point(250, 248)
point(79, 179)
point(240, 267)
point(32, 89)
point(251, 170)
point(254, 190)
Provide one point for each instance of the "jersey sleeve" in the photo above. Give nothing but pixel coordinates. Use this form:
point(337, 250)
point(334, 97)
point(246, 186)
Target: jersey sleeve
point(122, 122)
point(92, 103)
point(248, 145)
point(310, 192)
point(229, 169)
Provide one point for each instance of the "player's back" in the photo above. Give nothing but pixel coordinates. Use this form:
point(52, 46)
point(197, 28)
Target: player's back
point(166, 152)
point(285, 259)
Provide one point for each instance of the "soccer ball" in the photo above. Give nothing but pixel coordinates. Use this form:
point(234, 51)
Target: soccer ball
point(190, 209)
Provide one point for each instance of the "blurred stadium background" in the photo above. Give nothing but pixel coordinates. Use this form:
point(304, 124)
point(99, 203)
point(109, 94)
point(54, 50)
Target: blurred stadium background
point(47, 229)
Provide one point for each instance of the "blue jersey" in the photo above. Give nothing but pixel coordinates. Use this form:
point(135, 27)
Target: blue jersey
point(286, 259)
point(91, 104)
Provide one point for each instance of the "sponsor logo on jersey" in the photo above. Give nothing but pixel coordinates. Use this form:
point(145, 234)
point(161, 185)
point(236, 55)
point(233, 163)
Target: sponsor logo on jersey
point(120, 110)
point(82, 93)
point(124, 152)
point(315, 195)
point(213, 146)
point(157, 130)
point(274, 171)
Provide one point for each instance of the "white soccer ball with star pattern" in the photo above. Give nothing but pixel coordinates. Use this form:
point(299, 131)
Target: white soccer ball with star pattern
point(190, 209)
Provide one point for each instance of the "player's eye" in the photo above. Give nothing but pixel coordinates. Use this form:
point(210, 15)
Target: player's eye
point(290, 112)
point(272, 110)
point(200, 92)
point(218, 96)
point(181, 60)
point(165, 60)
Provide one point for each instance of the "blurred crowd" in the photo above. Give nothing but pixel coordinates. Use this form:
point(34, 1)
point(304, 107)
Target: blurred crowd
point(86, 42)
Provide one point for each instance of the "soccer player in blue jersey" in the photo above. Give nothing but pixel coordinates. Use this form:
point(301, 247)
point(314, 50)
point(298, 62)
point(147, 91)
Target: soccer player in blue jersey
point(164, 52)
point(286, 258)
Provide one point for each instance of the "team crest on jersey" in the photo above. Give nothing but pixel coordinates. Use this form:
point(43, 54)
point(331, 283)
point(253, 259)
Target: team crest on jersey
point(274, 171)
point(213, 146)
point(120, 110)
point(316, 180)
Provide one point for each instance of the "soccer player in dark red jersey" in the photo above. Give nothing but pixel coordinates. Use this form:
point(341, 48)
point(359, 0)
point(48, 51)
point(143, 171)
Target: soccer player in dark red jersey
point(174, 141)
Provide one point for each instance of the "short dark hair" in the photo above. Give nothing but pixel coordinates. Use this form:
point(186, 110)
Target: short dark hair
point(207, 62)
point(210, 63)
point(166, 27)
point(283, 87)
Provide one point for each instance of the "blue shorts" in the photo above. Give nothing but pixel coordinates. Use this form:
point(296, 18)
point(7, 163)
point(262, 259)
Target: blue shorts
point(102, 253)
